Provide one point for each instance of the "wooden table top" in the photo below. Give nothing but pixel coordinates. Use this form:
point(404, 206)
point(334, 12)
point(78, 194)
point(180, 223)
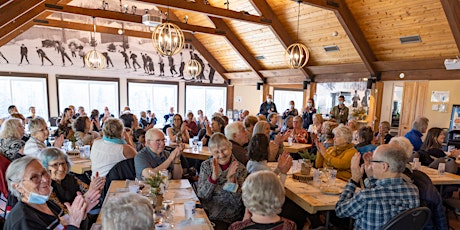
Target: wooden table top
point(177, 190)
point(447, 178)
point(204, 154)
point(79, 165)
point(296, 147)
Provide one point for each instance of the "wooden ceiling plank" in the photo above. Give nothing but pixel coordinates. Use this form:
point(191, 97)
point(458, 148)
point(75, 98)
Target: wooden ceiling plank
point(18, 31)
point(209, 10)
point(278, 29)
point(452, 11)
point(128, 18)
point(239, 47)
point(16, 9)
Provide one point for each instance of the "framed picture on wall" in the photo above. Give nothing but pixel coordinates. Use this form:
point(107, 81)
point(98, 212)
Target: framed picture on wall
point(455, 118)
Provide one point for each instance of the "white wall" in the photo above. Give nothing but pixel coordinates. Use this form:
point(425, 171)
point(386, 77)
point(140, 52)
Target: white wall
point(247, 97)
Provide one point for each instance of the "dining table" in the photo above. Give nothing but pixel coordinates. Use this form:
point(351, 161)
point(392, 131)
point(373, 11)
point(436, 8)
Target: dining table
point(79, 165)
point(196, 153)
point(296, 147)
point(178, 191)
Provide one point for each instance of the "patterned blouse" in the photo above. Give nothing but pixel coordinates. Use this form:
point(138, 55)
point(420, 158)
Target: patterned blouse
point(10, 147)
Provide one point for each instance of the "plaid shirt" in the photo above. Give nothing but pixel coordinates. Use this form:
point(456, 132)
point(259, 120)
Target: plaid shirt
point(378, 203)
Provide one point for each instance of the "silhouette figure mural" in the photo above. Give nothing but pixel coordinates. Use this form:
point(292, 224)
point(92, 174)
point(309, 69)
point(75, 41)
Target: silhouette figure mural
point(23, 52)
point(107, 59)
point(4, 58)
point(42, 56)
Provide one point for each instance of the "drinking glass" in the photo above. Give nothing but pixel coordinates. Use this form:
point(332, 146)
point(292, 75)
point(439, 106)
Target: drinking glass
point(332, 176)
point(165, 177)
point(168, 208)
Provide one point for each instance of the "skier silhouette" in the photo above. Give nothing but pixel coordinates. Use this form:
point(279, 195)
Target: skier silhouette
point(133, 56)
point(1, 55)
point(82, 54)
point(151, 68)
point(42, 55)
point(125, 56)
point(64, 55)
point(172, 67)
point(24, 51)
point(212, 71)
point(182, 66)
point(162, 65)
point(107, 59)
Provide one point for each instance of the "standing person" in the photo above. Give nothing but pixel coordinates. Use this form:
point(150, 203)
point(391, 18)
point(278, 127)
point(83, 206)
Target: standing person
point(108, 60)
point(133, 57)
point(268, 106)
point(172, 67)
point(291, 110)
point(308, 113)
point(340, 111)
point(64, 55)
point(1, 55)
point(419, 127)
point(386, 193)
point(126, 59)
point(42, 55)
point(23, 52)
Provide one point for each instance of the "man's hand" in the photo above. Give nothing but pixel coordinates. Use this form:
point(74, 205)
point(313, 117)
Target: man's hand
point(356, 170)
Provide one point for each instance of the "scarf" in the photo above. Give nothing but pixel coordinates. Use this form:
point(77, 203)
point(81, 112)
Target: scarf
point(114, 140)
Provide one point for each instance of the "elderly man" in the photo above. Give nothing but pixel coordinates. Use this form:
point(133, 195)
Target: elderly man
point(419, 126)
point(238, 136)
point(153, 157)
point(386, 193)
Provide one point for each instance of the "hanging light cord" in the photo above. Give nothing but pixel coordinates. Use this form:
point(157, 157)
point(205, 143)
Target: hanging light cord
point(298, 18)
point(94, 33)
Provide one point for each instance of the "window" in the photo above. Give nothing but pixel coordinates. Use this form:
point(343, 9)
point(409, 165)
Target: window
point(282, 97)
point(156, 97)
point(24, 92)
point(355, 93)
point(207, 98)
point(94, 93)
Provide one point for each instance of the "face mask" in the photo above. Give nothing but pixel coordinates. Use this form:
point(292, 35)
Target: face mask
point(269, 100)
point(308, 104)
point(35, 198)
point(340, 102)
point(291, 106)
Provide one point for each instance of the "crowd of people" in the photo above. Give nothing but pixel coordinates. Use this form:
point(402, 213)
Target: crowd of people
point(236, 186)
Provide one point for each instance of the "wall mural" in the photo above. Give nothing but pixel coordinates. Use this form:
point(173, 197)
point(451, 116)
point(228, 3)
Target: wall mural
point(62, 51)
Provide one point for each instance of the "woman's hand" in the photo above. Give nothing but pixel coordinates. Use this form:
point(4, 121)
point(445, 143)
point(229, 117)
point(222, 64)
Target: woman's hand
point(247, 214)
point(215, 169)
point(77, 211)
point(321, 148)
point(284, 162)
point(97, 183)
point(58, 142)
point(232, 171)
point(91, 198)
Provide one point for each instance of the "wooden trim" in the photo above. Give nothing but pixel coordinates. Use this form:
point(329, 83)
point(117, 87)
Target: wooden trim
point(19, 22)
point(209, 10)
point(204, 84)
point(452, 11)
point(430, 74)
point(378, 104)
point(16, 9)
point(230, 97)
point(239, 47)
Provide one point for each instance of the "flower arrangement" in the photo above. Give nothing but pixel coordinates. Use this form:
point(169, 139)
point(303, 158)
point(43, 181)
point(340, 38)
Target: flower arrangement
point(359, 113)
point(155, 182)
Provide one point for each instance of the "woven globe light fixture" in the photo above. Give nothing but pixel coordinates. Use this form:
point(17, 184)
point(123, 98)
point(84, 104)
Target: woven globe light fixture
point(193, 68)
point(297, 54)
point(168, 39)
point(95, 59)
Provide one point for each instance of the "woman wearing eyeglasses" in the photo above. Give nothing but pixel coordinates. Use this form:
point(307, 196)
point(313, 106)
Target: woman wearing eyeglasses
point(66, 186)
point(39, 133)
point(31, 184)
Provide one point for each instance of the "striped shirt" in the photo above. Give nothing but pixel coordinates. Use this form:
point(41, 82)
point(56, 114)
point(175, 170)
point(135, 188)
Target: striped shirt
point(378, 203)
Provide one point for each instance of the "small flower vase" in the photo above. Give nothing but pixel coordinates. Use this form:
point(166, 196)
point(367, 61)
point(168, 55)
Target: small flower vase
point(74, 145)
point(305, 168)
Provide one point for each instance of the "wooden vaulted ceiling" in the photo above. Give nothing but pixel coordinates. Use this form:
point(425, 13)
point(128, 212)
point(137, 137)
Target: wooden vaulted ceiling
point(245, 39)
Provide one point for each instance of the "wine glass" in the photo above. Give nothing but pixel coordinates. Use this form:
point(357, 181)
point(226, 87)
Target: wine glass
point(168, 208)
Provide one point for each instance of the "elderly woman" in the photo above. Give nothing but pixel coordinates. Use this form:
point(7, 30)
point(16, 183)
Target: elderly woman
point(276, 146)
point(65, 124)
point(39, 133)
point(217, 126)
point(383, 136)
point(317, 124)
point(299, 134)
point(249, 123)
point(178, 130)
point(258, 156)
point(365, 137)
point(339, 156)
point(117, 213)
point(84, 130)
point(31, 184)
point(114, 147)
point(220, 181)
point(191, 124)
point(11, 144)
point(66, 186)
point(263, 197)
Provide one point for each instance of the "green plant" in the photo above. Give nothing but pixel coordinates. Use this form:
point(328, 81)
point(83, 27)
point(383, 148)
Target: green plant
point(307, 155)
point(360, 113)
point(155, 180)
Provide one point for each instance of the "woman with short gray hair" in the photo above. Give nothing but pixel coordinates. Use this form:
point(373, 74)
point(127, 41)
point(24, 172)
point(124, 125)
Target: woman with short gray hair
point(39, 133)
point(11, 144)
point(117, 213)
point(263, 197)
point(31, 184)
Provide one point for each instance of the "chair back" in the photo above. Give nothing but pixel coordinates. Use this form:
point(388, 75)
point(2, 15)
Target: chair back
point(4, 163)
point(414, 219)
point(121, 171)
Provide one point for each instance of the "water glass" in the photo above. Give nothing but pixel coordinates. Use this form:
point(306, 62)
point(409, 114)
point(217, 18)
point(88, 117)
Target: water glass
point(165, 177)
point(200, 146)
point(168, 208)
point(441, 168)
point(290, 140)
point(134, 188)
point(189, 209)
point(316, 177)
point(332, 176)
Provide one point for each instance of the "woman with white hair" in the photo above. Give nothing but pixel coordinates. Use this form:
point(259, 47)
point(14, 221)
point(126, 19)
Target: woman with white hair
point(276, 146)
point(117, 213)
point(11, 144)
point(39, 133)
point(31, 184)
point(339, 156)
point(263, 197)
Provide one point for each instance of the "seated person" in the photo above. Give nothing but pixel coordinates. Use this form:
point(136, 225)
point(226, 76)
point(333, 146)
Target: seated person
point(11, 145)
point(237, 135)
point(154, 158)
point(38, 135)
point(65, 124)
point(365, 137)
point(353, 124)
point(84, 130)
point(385, 195)
point(263, 197)
point(117, 213)
point(339, 156)
point(383, 136)
point(178, 130)
point(288, 125)
point(217, 125)
point(258, 155)
point(114, 146)
point(276, 146)
point(433, 144)
point(31, 184)
point(139, 135)
point(66, 186)
point(419, 126)
point(192, 127)
point(299, 134)
point(249, 123)
point(273, 121)
point(327, 137)
point(219, 184)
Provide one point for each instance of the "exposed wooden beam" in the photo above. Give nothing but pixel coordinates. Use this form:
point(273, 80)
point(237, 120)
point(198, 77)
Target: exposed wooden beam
point(4, 2)
point(114, 15)
point(15, 9)
point(18, 31)
point(452, 11)
point(239, 47)
point(277, 28)
point(12, 26)
point(346, 19)
point(209, 10)
point(426, 74)
point(433, 63)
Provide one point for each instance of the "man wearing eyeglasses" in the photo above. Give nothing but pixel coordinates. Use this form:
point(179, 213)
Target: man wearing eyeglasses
point(153, 157)
point(385, 194)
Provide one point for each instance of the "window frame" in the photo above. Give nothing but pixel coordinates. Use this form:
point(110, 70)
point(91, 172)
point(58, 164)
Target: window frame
point(205, 85)
point(299, 109)
point(32, 75)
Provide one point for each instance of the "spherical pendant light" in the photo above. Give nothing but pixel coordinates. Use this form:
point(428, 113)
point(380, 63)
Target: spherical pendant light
point(168, 39)
point(193, 68)
point(297, 55)
point(95, 60)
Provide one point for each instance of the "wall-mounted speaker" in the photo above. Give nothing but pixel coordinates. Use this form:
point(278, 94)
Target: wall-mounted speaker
point(370, 82)
point(259, 84)
point(305, 84)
